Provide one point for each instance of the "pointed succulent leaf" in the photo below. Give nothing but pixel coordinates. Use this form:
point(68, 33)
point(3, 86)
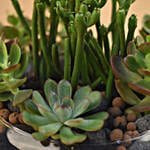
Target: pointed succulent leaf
point(125, 92)
point(80, 107)
point(50, 129)
point(139, 40)
point(131, 63)
point(64, 89)
point(68, 137)
point(31, 107)
point(142, 86)
point(39, 137)
point(140, 59)
point(23, 65)
point(99, 116)
point(145, 48)
point(11, 69)
point(38, 100)
point(50, 86)
point(63, 113)
point(53, 99)
point(131, 48)
point(95, 100)
point(122, 72)
point(144, 72)
point(55, 137)
point(47, 113)
point(21, 96)
point(142, 106)
point(35, 120)
point(5, 97)
point(15, 55)
point(3, 54)
point(82, 93)
point(86, 125)
point(147, 60)
point(67, 101)
point(15, 83)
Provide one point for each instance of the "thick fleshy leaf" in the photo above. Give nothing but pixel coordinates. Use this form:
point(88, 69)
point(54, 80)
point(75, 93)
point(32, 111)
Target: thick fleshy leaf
point(99, 116)
point(50, 86)
point(55, 137)
point(64, 89)
point(86, 125)
point(82, 93)
point(144, 72)
point(121, 71)
point(21, 96)
point(95, 100)
point(69, 137)
point(39, 137)
point(131, 48)
point(126, 93)
point(3, 54)
point(142, 86)
point(11, 69)
point(15, 83)
point(67, 101)
point(15, 55)
point(147, 60)
point(146, 23)
point(145, 47)
point(63, 113)
point(31, 107)
point(142, 106)
point(53, 99)
point(139, 40)
point(35, 120)
point(38, 100)
point(5, 97)
point(80, 107)
point(140, 59)
point(131, 63)
point(50, 129)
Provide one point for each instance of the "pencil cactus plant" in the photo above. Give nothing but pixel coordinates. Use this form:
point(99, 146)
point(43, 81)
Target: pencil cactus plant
point(60, 115)
point(133, 74)
point(9, 70)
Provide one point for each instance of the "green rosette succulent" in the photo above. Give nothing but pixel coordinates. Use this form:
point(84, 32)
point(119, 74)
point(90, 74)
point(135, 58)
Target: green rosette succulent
point(9, 69)
point(60, 116)
point(133, 75)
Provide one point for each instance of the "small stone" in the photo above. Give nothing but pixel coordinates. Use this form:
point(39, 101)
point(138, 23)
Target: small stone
point(120, 121)
point(13, 118)
point(1, 105)
point(121, 147)
point(127, 137)
point(135, 133)
point(115, 111)
point(118, 102)
point(131, 126)
point(131, 117)
point(130, 133)
point(2, 129)
point(20, 118)
point(4, 113)
point(116, 134)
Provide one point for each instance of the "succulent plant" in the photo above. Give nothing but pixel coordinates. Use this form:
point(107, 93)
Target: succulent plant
point(9, 69)
point(133, 75)
point(59, 117)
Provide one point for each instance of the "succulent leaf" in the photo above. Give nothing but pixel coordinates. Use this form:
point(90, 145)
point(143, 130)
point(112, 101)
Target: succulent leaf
point(11, 69)
point(122, 72)
point(145, 47)
point(99, 116)
point(53, 99)
point(39, 137)
point(64, 89)
point(69, 137)
point(140, 59)
point(15, 55)
point(147, 60)
point(144, 72)
point(125, 92)
point(131, 48)
point(67, 101)
point(5, 97)
point(50, 129)
point(146, 23)
point(21, 96)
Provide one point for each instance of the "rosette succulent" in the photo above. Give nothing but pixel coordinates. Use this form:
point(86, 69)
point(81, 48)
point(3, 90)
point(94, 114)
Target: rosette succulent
point(60, 116)
point(133, 75)
point(10, 69)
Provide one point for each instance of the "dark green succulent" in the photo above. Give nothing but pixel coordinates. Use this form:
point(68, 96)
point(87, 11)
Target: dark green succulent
point(9, 70)
point(59, 117)
point(133, 75)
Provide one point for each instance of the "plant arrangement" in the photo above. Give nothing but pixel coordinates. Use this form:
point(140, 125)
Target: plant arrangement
point(81, 62)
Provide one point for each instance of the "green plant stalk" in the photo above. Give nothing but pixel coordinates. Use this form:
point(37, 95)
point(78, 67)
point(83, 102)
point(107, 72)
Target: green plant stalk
point(21, 17)
point(102, 3)
point(67, 65)
point(43, 39)
point(72, 5)
point(53, 24)
point(35, 41)
point(77, 5)
point(96, 82)
point(99, 38)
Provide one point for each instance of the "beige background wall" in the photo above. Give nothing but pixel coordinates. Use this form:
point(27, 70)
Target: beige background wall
point(140, 7)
